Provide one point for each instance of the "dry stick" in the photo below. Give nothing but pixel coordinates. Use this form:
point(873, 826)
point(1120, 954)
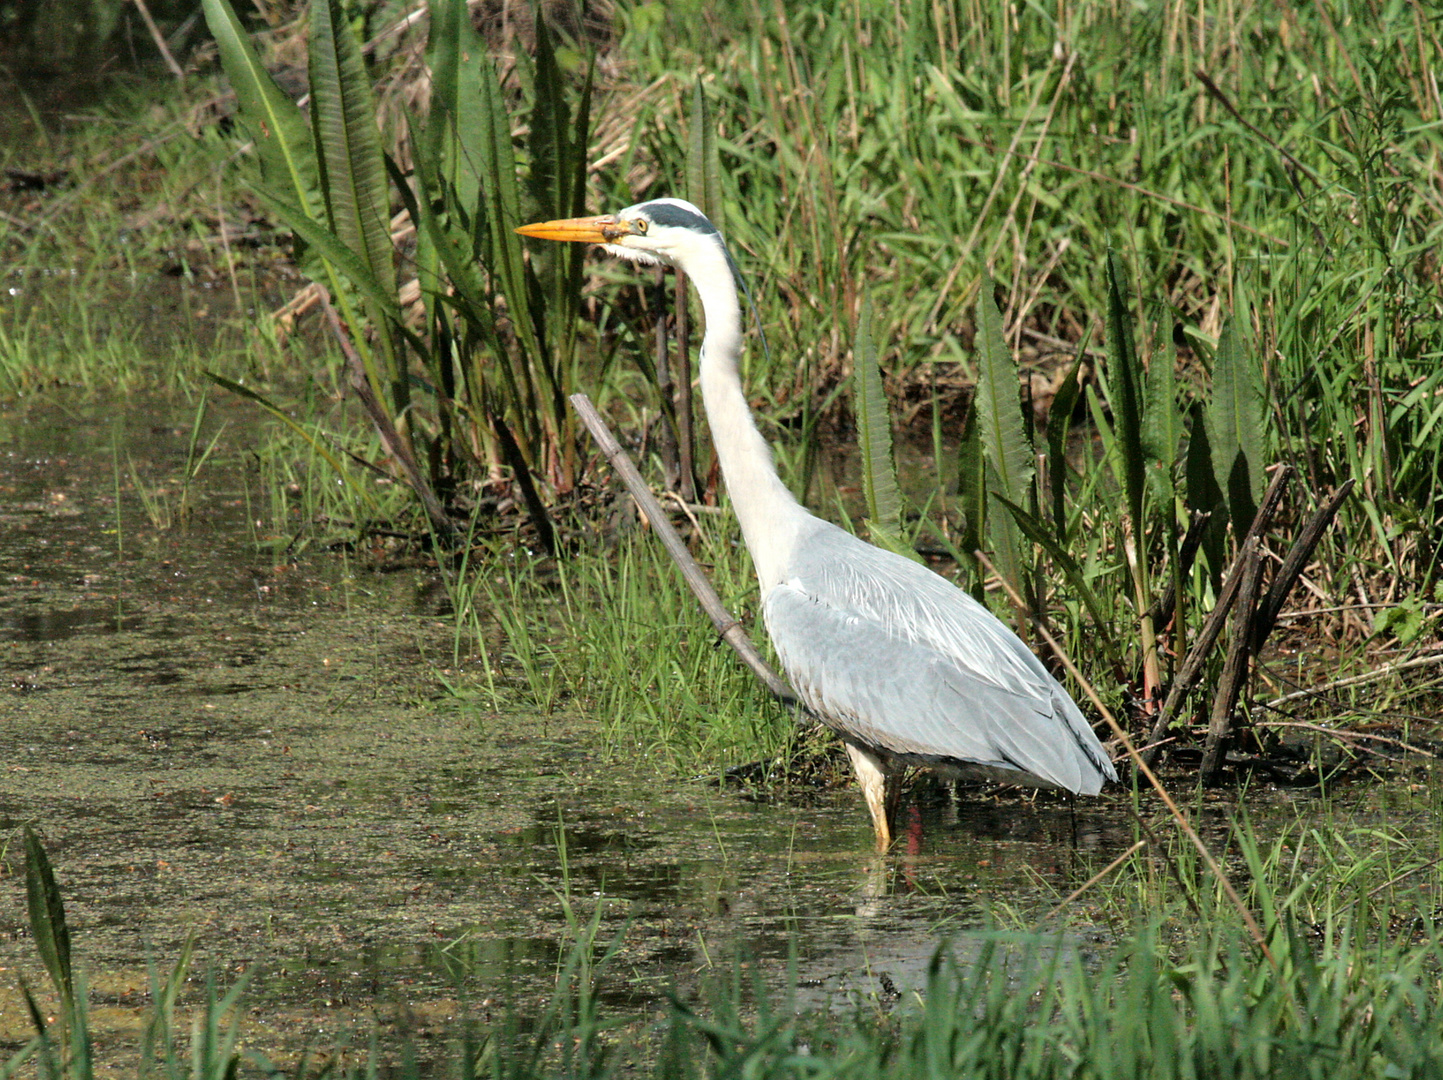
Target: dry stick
point(395, 445)
point(1354, 680)
point(1235, 667)
point(1293, 163)
point(666, 430)
point(1213, 625)
point(1090, 882)
point(1352, 738)
point(1254, 930)
point(696, 578)
point(1294, 563)
point(175, 69)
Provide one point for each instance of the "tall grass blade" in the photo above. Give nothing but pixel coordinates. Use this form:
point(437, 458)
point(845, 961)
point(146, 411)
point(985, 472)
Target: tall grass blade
point(278, 128)
point(1125, 382)
point(703, 160)
point(874, 437)
point(47, 919)
point(1235, 424)
point(316, 444)
point(535, 406)
point(1006, 447)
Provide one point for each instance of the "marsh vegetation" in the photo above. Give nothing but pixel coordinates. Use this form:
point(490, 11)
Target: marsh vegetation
point(1155, 295)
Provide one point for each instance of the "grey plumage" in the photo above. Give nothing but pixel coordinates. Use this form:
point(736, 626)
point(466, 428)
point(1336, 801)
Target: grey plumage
point(906, 667)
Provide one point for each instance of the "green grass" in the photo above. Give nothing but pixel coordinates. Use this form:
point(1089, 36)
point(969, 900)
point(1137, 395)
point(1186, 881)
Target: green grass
point(612, 632)
point(1275, 165)
point(1343, 985)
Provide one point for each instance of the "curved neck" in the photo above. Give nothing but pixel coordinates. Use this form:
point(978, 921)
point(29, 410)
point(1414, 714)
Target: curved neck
point(770, 517)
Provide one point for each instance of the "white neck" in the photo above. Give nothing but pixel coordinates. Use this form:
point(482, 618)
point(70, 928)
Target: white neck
point(770, 517)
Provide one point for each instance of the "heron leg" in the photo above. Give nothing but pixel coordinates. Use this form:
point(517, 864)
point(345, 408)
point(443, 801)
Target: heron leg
point(881, 788)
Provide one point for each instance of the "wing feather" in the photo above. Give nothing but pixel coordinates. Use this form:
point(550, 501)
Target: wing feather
point(897, 657)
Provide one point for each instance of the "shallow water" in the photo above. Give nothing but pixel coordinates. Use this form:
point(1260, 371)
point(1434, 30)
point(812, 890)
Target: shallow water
point(260, 757)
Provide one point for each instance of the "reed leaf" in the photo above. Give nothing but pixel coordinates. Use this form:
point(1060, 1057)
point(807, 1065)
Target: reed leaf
point(47, 919)
point(1162, 427)
point(971, 496)
point(452, 136)
point(1006, 447)
point(277, 127)
point(703, 160)
point(1039, 534)
point(874, 437)
point(1124, 383)
point(1203, 494)
point(348, 143)
point(1235, 419)
point(353, 181)
point(1059, 425)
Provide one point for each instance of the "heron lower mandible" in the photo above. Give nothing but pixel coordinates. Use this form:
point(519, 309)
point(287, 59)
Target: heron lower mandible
point(906, 667)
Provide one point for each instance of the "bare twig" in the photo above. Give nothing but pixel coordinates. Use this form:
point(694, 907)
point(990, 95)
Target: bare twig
point(1375, 675)
point(1294, 563)
point(1236, 666)
point(395, 445)
point(1348, 736)
point(1090, 882)
point(1213, 626)
point(696, 578)
point(159, 38)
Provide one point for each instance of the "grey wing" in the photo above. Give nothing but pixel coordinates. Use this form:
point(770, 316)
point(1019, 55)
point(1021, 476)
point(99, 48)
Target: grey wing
point(897, 657)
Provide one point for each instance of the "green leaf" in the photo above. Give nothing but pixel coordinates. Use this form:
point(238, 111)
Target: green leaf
point(453, 133)
point(1124, 383)
point(703, 160)
point(335, 251)
point(277, 127)
point(1162, 421)
point(1235, 418)
point(1006, 445)
point(47, 919)
point(1203, 494)
point(1039, 534)
point(972, 496)
point(1059, 425)
point(316, 443)
point(349, 143)
point(874, 438)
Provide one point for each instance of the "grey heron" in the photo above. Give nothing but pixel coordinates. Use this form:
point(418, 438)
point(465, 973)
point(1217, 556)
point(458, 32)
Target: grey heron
point(907, 668)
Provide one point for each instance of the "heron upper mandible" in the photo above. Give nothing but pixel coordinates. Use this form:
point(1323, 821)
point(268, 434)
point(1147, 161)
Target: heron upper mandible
point(909, 669)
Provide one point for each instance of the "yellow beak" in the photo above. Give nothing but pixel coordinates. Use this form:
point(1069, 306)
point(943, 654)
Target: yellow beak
point(587, 230)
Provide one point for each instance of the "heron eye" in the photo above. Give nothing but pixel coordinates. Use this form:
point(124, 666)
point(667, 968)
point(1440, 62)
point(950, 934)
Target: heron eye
point(641, 225)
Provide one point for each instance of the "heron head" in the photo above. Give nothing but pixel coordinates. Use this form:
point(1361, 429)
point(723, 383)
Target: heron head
point(659, 231)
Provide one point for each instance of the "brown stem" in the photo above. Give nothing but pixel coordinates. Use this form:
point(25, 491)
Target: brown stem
point(695, 577)
point(1235, 667)
point(1213, 625)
